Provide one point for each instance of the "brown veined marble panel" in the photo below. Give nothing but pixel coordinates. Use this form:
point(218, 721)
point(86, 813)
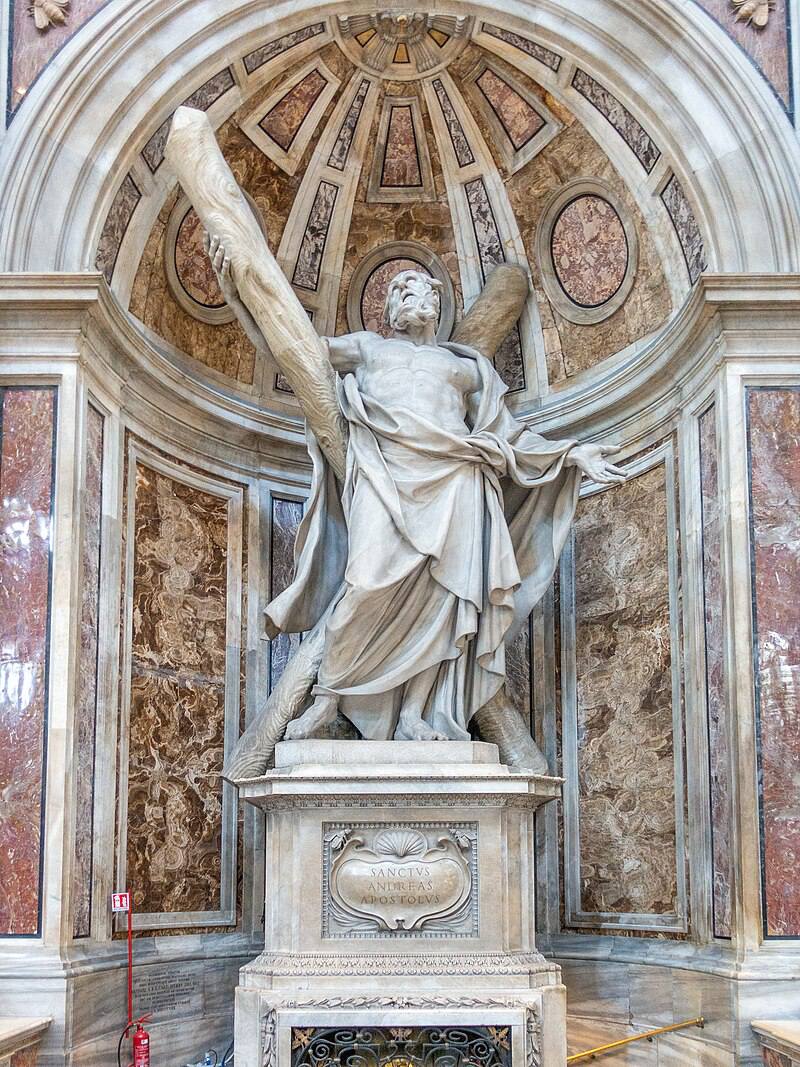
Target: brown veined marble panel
point(774, 444)
point(401, 167)
point(520, 121)
point(768, 48)
point(177, 707)
point(30, 50)
point(86, 705)
point(590, 251)
point(283, 121)
point(625, 758)
point(286, 516)
point(720, 798)
point(571, 348)
point(26, 519)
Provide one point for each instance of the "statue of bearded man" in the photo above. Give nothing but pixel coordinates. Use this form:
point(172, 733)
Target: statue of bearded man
point(445, 534)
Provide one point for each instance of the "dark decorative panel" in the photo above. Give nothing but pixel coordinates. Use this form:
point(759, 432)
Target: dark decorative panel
point(508, 358)
point(524, 44)
point(685, 223)
point(457, 136)
point(117, 221)
point(86, 705)
point(630, 129)
point(774, 445)
point(717, 709)
point(201, 99)
point(309, 258)
point(27, 471)
point(344, 138)
point(269, 51)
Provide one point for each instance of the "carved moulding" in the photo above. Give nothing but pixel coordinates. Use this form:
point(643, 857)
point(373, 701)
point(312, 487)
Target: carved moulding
point(288, 965)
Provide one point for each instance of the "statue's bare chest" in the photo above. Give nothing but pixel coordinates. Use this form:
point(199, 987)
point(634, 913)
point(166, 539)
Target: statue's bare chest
point(411, 370)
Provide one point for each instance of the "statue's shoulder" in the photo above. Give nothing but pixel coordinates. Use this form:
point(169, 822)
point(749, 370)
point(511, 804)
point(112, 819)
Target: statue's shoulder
point(463, 350)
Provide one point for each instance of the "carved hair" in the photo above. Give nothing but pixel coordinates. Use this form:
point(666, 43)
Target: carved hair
point(397, 290)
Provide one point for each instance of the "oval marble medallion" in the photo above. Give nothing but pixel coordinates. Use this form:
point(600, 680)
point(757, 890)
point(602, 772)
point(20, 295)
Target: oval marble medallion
point(373, 296)
point(193, 266)
point(589, 250)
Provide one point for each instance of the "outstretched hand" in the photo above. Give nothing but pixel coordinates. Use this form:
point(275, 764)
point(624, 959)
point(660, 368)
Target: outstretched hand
point(591, 460)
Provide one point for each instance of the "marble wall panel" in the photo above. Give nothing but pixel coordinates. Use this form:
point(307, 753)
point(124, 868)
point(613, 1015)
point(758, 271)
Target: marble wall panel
point(623, 666)
point(119, 216)
point(508, 360)
point(347, 132)
point(589, 250)
point(518, 118)
point(401, 166)
point(262, 55)
point(571, 348)
point(769, 48)
point(518, 673)
point(685, 223)
point(201, 99)
point(192, 265)
point(720, 798)
point(312, 248)
point(286, 516)
point(85, 726)
point(457, 136)
point(524, 44)
point(27, 444)
point(283, 121)
point(630, 129)
point(30, 50)
point(179, 559)
point(774, 445)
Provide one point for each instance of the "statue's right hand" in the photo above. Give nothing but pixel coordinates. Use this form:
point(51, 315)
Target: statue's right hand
point(220, 261)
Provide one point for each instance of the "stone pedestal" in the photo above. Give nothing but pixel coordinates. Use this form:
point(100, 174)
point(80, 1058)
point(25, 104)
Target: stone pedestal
point(400, 908)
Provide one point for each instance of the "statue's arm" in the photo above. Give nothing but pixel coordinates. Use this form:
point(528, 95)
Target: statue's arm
point(347, 352)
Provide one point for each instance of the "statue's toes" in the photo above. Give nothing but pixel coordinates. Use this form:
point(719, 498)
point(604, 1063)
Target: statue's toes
point(295, 731)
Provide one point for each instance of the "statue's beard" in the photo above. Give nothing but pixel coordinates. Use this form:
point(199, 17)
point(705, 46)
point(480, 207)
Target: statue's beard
point(415, 311)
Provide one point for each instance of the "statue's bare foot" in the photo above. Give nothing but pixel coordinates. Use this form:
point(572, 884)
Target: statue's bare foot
point(412, 727)
point(321, 712)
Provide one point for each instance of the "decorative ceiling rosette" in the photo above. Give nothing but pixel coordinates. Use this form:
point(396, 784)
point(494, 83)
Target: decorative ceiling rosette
point(403, 45)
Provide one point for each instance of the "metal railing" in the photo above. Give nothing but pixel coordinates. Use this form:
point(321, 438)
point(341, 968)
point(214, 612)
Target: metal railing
point(612, 1046)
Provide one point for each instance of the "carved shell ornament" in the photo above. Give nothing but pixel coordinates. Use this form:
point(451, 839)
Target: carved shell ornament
point(753, 12)
point(47, 13)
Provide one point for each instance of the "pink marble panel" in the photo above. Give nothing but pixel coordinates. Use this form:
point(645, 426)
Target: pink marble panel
point(26, 1057)
point(31, 49)
point(774, 439)
point(177, 709)
point(773, 1058)
point(373, 298)
point(286, 516)
point(401, 167)
point(626, 787)
point(283, 121)
point(86, 705)
point(520, 121)
point(717, 708)
point(193, 266)
point(590, 251)
point(26, 519)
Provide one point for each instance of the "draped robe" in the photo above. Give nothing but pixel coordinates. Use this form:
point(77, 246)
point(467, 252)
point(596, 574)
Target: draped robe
point(432, 557)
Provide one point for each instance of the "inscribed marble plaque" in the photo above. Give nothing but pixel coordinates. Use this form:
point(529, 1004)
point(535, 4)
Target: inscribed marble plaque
point(400, 880)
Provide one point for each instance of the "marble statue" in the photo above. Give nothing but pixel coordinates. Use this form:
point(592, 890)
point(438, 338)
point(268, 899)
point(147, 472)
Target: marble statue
point(435, 519)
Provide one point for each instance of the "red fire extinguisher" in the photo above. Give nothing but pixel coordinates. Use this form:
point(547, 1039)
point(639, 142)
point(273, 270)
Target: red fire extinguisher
point(141, 1046)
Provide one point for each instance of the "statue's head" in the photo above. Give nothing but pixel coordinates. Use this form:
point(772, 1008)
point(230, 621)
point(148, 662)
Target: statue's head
point(412, 299)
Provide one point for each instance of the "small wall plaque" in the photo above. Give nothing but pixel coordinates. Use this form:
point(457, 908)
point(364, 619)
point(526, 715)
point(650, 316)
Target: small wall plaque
point(399, 880)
